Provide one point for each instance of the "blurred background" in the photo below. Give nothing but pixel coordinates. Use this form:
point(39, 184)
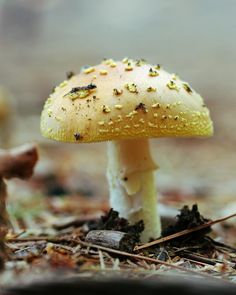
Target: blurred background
point(41, 40)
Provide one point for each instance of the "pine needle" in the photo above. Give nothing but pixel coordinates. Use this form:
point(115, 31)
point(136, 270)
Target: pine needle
point(145, 258)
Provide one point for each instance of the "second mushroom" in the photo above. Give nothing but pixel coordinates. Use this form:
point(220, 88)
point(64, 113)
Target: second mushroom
point(126, 103)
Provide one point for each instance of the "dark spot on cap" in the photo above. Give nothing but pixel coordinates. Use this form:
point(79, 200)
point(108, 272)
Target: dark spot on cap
point(141, 106)
point(77, 136)
point(187, 88)
point(88, 87)
point(69, 74)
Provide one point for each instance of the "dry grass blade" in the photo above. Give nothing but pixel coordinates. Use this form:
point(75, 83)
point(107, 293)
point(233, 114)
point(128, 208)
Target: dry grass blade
point(30, 239)
point(184, 232)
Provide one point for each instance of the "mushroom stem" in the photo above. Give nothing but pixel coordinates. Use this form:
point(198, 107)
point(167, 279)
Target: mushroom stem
point(131, 184)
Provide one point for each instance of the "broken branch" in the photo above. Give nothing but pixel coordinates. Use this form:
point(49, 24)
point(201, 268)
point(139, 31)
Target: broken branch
point(18, 162)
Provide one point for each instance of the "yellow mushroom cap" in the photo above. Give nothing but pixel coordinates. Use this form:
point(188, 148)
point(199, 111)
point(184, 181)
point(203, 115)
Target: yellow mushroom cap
point(122, 100)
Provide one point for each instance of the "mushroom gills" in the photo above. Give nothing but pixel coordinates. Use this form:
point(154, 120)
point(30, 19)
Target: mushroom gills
point(131, 184)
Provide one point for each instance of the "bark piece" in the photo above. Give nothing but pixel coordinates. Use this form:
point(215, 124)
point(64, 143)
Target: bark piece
point(111, 239)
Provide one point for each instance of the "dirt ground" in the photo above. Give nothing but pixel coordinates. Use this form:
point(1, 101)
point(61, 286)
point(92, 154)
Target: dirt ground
point(50, 214)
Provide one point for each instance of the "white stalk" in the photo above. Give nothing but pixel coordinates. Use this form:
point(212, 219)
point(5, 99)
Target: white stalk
point(131, 183)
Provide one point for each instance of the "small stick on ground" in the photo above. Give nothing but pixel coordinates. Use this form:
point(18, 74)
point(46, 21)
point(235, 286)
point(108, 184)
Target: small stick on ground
point(198, 259)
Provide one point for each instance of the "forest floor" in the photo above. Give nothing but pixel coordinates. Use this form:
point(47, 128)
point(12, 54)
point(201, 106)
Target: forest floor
point(54, 235)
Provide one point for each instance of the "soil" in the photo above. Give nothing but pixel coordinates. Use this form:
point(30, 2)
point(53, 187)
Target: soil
point(112, 221)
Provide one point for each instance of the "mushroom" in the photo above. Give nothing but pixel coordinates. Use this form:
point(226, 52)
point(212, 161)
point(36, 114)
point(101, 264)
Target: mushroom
point(18, 162)
point(132, 102)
